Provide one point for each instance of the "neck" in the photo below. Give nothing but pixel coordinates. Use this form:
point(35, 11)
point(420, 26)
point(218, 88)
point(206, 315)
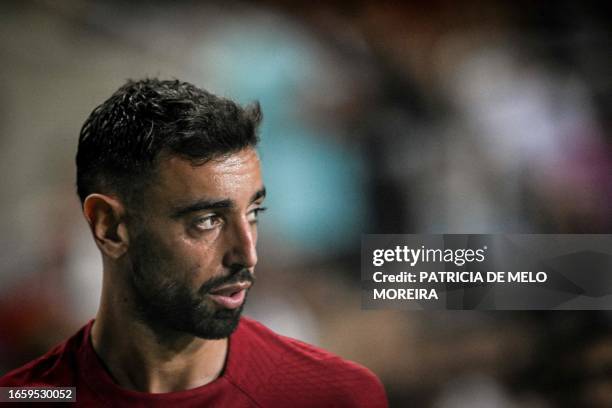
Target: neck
point(142, 358)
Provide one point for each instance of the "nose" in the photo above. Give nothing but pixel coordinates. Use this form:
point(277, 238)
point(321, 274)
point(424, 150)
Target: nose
point(241, 249)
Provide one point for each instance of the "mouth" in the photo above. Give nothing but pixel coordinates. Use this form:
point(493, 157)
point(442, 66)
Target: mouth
point(230, 296)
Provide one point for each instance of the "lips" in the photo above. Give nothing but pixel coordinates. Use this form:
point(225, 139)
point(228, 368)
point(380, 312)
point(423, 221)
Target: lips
point(230, 296)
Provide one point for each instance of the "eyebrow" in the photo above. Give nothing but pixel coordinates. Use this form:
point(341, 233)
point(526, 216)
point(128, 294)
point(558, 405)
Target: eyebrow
point(204, 204)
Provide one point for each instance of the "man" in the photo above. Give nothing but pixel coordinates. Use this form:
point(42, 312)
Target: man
point(171, 187)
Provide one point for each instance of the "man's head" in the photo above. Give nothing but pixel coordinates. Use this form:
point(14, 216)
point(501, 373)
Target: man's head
point(171, 186)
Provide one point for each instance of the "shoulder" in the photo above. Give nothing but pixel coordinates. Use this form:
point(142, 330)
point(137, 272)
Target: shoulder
point(279, 369)
point(57, 367)
point(39, 372)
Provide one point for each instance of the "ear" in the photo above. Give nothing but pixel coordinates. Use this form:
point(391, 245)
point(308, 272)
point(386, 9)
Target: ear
point(106, 218)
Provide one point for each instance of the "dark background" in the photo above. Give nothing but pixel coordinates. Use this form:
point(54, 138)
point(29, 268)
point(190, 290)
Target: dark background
point(380, 117)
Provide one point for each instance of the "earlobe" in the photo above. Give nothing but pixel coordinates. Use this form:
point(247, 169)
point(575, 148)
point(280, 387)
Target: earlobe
point(106, 218)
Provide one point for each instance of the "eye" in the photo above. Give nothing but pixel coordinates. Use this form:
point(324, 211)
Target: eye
point(253, 215)
point(207, 222)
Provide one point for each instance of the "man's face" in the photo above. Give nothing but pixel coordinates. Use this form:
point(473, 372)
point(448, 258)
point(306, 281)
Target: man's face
point(192, 245)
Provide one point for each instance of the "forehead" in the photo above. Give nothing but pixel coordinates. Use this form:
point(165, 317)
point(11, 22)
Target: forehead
point(234, 176)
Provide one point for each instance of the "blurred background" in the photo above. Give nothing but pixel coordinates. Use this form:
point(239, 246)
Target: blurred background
point(379, 117)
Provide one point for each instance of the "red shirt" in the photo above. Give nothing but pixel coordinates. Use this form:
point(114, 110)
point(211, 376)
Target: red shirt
point(263, 369)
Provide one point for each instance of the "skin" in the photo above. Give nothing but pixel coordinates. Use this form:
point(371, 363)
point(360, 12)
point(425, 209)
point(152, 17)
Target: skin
point(158, 329)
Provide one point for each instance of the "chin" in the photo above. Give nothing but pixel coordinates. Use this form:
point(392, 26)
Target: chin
point(220, 325)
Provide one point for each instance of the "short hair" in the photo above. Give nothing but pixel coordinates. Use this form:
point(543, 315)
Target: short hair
point(122, 138)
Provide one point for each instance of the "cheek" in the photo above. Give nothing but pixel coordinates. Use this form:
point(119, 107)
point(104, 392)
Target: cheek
point(200, 258)
point(175, 255)
point(163, 259)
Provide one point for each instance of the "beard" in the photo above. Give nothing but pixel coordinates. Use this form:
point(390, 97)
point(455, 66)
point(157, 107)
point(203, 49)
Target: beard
point(166, 301)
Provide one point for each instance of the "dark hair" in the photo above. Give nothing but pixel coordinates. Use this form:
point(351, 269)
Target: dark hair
point(123, 137)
